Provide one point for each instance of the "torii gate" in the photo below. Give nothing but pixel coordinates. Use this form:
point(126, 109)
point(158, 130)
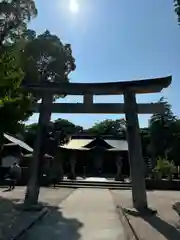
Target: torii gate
point(128, 89)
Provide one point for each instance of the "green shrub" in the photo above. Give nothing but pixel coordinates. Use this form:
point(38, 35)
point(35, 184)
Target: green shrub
point(164, 168)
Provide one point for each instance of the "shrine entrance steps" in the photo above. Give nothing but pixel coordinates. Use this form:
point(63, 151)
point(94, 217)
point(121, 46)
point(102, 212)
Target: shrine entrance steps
point(94, 182)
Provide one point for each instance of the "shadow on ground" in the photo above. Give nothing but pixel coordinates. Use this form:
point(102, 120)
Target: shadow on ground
point(55, 226)
point(9, 216)
point(167, 230)
point(52, 226)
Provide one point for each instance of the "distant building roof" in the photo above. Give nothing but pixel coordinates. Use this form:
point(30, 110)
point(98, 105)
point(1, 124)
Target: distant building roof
point(118, 145)
point(10, 145)
point(18, 142)
point(84, 144)
point(30, 155)
point(77, 144)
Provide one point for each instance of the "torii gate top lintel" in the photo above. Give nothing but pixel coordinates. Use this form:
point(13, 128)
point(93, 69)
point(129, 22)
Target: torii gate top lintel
point(154, 85)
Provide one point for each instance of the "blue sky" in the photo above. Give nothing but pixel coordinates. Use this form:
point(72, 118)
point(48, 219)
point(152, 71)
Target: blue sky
point(115, 40)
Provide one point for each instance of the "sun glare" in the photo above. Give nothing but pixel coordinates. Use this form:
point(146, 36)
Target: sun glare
point(73, 6)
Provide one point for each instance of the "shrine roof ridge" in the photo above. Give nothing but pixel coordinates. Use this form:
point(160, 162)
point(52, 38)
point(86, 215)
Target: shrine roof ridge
point(153, 85)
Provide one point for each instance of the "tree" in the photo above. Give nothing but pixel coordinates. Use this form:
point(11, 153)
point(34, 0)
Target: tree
point(45, 57)
point(30, 134)
point(31, 127)
point(161, 125)
point(173, 152)
point(14, 105)
point(68, 127)
point(32, 63)
point(109, 127)
point(10, 72)
point(14, 16)
point(14, 112)
point(64, 127)
point(146, 141)
point(177, 9)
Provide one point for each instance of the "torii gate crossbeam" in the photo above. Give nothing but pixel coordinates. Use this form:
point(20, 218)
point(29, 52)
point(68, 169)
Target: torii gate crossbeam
point(100, 108)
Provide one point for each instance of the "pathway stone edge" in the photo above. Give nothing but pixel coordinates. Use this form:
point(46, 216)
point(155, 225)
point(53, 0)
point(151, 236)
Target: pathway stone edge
point(130, 233)
point(20, 232)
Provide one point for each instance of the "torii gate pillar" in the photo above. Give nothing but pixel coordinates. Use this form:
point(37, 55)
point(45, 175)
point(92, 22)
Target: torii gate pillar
point(136, 160)
point(32, 193)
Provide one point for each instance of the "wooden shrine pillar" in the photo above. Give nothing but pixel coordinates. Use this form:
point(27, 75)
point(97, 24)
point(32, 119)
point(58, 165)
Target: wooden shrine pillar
point(72, 163)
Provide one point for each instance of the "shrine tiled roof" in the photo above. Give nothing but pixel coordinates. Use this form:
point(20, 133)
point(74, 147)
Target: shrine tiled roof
point(87, 144)
point(18, 142)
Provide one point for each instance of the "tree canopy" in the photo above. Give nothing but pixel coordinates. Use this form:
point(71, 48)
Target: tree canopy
point(62, 127)
point(110, 127)
point(67, 126)
point(177, 9)
point(26, 57)
point(161, 130)
point(14, 104)
point(14, 17)
point(45, 57)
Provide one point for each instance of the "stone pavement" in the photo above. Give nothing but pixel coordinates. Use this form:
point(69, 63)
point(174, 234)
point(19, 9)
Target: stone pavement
point(87, 214)
point(164, 225)
point(13, 221)
point(47, 195)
